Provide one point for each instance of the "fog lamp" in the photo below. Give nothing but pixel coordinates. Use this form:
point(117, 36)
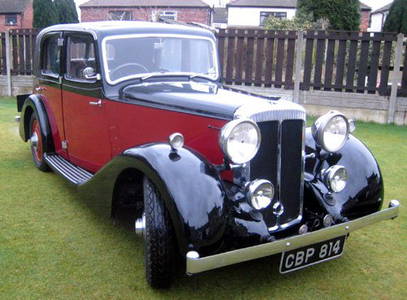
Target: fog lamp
point(260, 193)
point(335, 178)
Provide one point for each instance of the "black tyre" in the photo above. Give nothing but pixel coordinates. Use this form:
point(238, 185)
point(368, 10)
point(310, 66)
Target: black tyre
point(159, 249)
point(37, 145)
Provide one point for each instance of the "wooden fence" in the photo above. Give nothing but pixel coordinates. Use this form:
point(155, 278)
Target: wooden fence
point(319, 60)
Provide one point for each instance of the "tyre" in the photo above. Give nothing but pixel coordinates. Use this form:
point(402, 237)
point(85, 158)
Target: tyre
point(37, 146)
point(159, 245)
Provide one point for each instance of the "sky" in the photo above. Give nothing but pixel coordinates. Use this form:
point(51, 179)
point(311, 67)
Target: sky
point(374, 4)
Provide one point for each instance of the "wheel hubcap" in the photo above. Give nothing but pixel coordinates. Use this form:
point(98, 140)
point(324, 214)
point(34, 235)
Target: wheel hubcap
point(34, 141)
point(140, 225)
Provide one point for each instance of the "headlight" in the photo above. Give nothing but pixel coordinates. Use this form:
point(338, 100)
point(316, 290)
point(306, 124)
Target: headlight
point(331, 131)
point(335, 178)
point(240, 140)
point(260, 193)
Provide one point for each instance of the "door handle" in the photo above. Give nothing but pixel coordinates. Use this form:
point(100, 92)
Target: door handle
point(97, 103)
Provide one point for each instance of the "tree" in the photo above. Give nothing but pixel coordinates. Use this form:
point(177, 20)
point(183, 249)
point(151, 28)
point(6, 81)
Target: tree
point(341, 14)
point(66, 10)
point(396, 21)
point(44, 13)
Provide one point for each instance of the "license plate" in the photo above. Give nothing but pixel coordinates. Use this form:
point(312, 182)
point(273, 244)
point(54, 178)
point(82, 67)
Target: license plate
point(311, 255)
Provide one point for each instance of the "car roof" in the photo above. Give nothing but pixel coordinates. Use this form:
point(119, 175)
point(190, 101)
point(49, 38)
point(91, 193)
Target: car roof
point(108, 28)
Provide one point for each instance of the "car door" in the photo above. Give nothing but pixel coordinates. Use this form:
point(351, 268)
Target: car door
point(86, 131)
point(49, 85)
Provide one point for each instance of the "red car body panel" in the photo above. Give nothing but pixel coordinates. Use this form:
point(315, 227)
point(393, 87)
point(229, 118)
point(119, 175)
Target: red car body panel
point(52, 99)
point(116, 126)
point(133, 125)
point(86, 131)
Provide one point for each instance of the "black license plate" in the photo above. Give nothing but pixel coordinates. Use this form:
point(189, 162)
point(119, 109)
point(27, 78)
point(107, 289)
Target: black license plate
point(311, 255)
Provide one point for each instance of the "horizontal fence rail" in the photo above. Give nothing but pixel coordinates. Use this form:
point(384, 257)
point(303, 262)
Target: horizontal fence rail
point(360, 62)
point(257, 57)
point(348, 61)
point(22, 42)
point(340, 61)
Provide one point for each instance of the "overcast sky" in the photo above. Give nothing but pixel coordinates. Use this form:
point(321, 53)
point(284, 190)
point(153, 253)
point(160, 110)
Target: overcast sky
point(374, 4)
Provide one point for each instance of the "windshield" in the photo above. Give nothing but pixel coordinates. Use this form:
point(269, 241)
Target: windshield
point(133, 56)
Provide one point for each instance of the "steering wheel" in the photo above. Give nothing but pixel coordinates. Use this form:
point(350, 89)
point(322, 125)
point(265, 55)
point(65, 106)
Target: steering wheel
point(122, 67)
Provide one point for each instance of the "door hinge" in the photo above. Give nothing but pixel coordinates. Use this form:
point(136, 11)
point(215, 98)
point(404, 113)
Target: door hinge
point(64, 145)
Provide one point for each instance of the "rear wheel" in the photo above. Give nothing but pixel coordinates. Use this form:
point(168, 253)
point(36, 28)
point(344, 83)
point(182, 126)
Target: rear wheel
point(159, 250)
point(37, 147)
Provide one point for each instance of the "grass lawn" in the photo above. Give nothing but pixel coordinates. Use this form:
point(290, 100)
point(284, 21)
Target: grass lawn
point(53, 246)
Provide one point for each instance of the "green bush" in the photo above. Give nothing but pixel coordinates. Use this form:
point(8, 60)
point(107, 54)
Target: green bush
point(397, 19)
point(341, 14)
point(273, 23)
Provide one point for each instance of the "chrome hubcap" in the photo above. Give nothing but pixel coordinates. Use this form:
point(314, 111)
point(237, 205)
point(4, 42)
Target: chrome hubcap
point(34, 141)
point(140, 225)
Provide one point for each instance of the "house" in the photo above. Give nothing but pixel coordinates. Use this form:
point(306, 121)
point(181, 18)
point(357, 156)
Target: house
point(146, 10)
point(378, 17)
point(365, 11)
point(15, 14)
point(220, 17)
point(255, 12)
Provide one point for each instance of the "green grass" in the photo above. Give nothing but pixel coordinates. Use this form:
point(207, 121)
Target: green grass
point(53, 246)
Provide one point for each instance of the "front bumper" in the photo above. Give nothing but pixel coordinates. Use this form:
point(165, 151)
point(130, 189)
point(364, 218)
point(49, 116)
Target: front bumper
point(195, 264)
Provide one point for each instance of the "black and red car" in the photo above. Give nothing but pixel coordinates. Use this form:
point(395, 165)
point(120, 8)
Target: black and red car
point(135, 115)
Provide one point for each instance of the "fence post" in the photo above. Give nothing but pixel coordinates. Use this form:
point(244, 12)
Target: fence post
point(396, 79)
point(8, 63)
point(298, 66)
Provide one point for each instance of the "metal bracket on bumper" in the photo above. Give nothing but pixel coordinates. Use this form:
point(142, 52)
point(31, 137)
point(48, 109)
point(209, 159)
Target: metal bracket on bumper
point(195, 264)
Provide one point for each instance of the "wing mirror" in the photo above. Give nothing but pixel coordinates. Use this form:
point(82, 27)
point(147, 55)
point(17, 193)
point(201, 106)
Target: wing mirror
point(90, 74)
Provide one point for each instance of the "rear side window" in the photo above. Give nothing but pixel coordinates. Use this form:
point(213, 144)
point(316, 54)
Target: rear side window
point(80, 56)
point(51, 62)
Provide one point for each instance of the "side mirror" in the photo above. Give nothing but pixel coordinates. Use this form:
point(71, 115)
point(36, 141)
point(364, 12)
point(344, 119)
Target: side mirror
point(90, 74)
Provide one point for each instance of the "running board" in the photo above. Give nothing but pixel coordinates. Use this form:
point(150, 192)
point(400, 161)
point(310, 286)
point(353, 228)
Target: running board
point(74, 174)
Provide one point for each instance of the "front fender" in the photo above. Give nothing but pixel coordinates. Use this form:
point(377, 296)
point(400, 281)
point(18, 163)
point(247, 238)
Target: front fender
point(189, 185)
point(363, 193)
point(34, 104)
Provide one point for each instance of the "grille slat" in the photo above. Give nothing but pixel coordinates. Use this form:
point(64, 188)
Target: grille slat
point(291, 169)
point(280, 160)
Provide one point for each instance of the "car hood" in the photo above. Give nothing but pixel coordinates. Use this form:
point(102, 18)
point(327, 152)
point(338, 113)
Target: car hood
point(208, 99)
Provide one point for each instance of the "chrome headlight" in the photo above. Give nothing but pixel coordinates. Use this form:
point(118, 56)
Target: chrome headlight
point(240, 140)
point(335, 178)
point(331, 131)
point(260, 193)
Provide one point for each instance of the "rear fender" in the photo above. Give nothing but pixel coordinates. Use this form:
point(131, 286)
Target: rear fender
point(34, 104)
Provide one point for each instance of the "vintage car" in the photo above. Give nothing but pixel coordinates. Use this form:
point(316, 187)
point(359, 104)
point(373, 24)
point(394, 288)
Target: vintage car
point(135, 115)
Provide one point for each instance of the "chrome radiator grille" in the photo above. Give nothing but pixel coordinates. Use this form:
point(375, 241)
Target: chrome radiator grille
point(280, 160)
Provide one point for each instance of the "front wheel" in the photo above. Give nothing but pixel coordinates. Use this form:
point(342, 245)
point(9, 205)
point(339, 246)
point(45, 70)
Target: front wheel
point(37, 146)
point(159, 250)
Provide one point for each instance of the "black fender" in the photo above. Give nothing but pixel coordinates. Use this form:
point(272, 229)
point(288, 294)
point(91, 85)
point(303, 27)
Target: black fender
point(189, 185)
point(34, 104)
point(363, 193)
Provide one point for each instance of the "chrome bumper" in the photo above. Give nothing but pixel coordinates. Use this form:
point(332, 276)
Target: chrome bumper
point(195, 264)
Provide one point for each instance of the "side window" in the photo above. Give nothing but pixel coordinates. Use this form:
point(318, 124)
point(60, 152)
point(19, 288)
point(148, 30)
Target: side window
point(51, 53)
point(80, 58)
